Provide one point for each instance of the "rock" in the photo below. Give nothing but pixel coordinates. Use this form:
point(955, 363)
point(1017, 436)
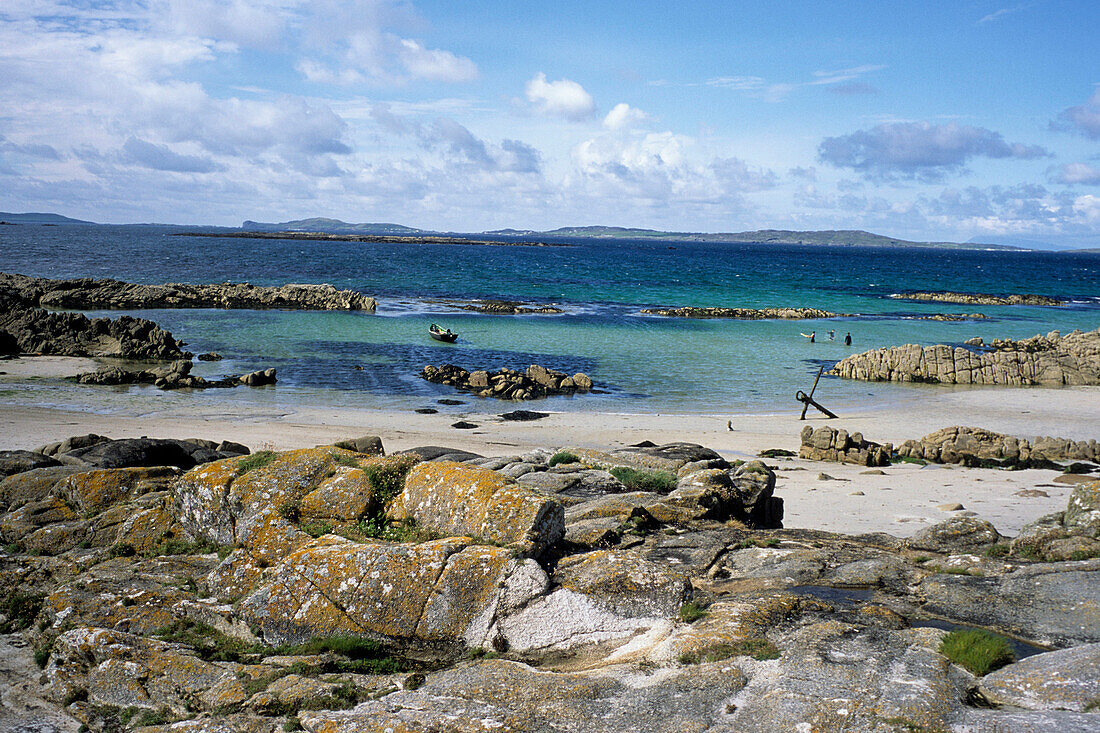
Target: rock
point(91, 294)
point(1083, 510)
point(976, 446)
point(1066, 679)
point(958, 534)
point(524, 415)
point(1052, 361)
point(37, 331)
point(743, 314)
point(210, 356)
point(980, 298)
point(259, 378)
point(368, 444)
point(464, 425)
point(536, 382)
point(130, 452)
point(950, 507)
point(457, 499)
point(444, 592)
point(829, 444)
point(1054, 604)
point(437, 453)
point(18, 461)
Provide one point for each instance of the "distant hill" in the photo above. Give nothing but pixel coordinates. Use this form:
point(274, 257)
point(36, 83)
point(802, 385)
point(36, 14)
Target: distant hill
point(831, 237)
point(331, 226)
point(39, 219)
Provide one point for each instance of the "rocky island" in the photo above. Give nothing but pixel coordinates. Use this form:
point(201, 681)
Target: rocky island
point(744, 314)
point(508, 384)
point(186, 586)
point(979, 298)
point(1051, 360)
point(93, 294)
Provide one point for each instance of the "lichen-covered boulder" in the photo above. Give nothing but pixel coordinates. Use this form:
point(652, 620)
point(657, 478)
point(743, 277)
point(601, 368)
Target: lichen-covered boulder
point(442, 593)
point(1066, 679)
point(33, 485)
point(123, 670)
point(958, 534)
point(1083, 510)
point(458, 499)
point(18, 461)
point(94, 491)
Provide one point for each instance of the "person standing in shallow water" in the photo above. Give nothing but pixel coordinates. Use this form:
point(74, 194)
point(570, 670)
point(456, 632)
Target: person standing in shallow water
point(848, 339)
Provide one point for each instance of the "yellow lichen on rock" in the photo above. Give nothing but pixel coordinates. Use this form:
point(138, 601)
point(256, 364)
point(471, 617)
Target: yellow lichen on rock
point(458, 499)
point(96, 490)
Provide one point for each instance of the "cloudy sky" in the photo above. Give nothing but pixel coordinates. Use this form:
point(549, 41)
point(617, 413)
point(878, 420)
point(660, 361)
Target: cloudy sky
point(944, 120)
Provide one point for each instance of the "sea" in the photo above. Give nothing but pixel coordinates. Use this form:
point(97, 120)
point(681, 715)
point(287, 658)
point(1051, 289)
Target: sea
point(639, 363)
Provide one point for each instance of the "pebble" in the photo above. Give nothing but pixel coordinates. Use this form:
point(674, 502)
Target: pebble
point(1031, 493)
point(873, 472)
point(856, 493)
point(951, 507)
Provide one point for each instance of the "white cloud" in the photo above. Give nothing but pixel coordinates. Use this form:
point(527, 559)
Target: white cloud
point(1076, 173)
point(918, 149)
point(253, 23)
point(1084, 118)
point(1088, 206)
point(561, 98)
point(623, 115)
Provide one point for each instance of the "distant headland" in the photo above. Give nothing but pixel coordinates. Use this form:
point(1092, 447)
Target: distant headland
point(320, 228)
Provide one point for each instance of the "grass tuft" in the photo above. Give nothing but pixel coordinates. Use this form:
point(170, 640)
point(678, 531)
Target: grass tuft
point(563, 457)
point(692, 611)
point(978, 651)
point(656, 482)
point(259, 459)
point(21, 609)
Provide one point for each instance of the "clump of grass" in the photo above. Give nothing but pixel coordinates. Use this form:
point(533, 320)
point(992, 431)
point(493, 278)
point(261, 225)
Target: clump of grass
point(388, 479)
point(760, 649)
point(259, 459)
point(692, 611)
point(562, 457)
point(21, 610)
point(291, 511)
point(316, 529)
point(209, 644)
point(997, 551)
point(122, 549)
point(977, 650)
point(42, 654)
point(344, 459)
point(656, 482)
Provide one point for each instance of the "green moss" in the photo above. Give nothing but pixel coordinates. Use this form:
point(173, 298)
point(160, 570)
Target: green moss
point(175, 546)
point(978, 651)
point(908, 459)
point(657, 482)
point(316, 529)
point(259, 459)
point(21, 609)
point(563, 457)
point(997, 551)
point(692, 611)
point(345, 459)
point(1093, 707)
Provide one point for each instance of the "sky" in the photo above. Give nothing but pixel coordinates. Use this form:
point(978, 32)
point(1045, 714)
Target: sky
point(942, 120)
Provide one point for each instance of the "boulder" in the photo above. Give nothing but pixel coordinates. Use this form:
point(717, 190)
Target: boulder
point(1066, 679)
point(369, 444)
point(956, 535)
point(829, 444)
point(18, 461)
point(457, 499)
point(442, 593)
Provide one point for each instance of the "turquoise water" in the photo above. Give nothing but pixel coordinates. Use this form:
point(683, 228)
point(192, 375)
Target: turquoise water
point(642, 363)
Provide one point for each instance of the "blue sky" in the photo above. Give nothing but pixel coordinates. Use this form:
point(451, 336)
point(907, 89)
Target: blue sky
point(954, 120)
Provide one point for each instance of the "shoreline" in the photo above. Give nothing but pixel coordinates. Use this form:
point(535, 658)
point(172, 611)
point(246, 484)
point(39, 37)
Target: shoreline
point(900, 500)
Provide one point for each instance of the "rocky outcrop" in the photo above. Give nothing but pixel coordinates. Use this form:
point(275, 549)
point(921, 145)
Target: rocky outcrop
point(506, 307)
point(979, 298)
point(1051, 360)
point(92, 294)
point(742, 314)
point(455, 499)
point(654, 611)
point(508, 384)
point(176, 375)
point(831, 444)
point(960, 444)
point(37, 331)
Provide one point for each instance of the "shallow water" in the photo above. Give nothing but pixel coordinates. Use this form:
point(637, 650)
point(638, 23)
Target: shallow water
point(641, 363)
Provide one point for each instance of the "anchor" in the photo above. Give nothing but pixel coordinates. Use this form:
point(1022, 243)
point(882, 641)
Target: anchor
point(808, 399)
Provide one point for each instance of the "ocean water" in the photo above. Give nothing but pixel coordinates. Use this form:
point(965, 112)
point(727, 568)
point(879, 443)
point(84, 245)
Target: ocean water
point(640, 363)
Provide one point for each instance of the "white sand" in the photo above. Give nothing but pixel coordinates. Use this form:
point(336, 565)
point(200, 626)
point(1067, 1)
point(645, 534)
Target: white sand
point(900, 502)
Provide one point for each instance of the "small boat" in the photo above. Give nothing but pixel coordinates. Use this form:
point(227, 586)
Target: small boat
point(442, 334)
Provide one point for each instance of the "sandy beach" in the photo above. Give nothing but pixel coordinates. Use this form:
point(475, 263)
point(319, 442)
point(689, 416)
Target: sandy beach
point(899, 500)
